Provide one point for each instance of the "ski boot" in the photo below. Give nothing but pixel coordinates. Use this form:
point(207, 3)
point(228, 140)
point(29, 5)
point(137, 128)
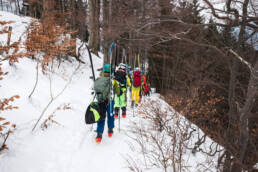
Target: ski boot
point(110, 132)
point(123, 112)
point(99, 137)
point(116, 112)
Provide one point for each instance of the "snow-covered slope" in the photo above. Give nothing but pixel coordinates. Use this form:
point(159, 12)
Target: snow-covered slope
point(67, 144)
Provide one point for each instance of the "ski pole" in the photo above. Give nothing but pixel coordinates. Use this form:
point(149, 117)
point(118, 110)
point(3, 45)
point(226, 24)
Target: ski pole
point(133, 101)
point(111, 77)
point(92, 70)
point(92, 124)
point(119, 115)
point(133, 110)
point(119, 121)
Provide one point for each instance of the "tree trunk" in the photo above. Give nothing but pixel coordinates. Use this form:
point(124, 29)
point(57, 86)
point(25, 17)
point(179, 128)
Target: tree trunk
point(163, 75)
point(2, 5)
point(106, 41)
point(240, 115)
point(19, 9)
point(249, 103)
point(250, 96)
point(131, 55)
point(94, 6)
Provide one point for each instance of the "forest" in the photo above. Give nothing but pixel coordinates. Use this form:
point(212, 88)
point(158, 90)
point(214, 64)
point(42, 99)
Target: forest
point(201, 56)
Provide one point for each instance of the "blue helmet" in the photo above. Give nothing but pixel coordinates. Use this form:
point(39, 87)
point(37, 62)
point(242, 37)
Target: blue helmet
point(106, 68)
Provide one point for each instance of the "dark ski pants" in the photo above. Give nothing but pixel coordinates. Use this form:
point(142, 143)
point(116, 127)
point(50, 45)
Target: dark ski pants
point(110, 119)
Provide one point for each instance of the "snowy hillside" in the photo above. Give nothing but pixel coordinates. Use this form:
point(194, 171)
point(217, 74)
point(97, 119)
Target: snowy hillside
point(68, 145)
point(62, 142)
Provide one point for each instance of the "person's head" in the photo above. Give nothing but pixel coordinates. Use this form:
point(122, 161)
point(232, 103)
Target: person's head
point(106, 68)
point(122, 67)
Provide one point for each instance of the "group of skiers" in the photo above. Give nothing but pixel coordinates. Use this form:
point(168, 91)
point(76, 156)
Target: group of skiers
point(111, 93)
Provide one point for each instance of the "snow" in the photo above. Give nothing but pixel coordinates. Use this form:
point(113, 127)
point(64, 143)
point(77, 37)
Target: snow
point(252, 40)
point(18, 27)
point(68, 145)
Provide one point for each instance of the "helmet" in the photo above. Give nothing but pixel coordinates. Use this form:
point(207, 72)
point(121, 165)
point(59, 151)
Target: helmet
point(122, 66)
point(106, 68)
point(137, 69)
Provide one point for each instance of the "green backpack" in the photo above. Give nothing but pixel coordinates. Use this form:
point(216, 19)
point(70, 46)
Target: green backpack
point(102, 88)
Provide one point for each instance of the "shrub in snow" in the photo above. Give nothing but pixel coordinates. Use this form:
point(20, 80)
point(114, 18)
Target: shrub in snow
point(50, 121)
point(166, 140)
point(52, 41)
point(8, 52)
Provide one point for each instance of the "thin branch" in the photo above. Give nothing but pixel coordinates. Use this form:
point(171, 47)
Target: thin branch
point(54, 98)
point(241, 59)
point(36, 83)
point(5, 139)
point(214, 12)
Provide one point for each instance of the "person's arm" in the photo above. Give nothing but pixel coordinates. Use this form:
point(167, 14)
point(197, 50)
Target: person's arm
point(116, 87)
point(128, 81)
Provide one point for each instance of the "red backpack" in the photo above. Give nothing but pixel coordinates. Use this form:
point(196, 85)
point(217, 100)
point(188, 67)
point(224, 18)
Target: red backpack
point(146, 88)
point(136, 78)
